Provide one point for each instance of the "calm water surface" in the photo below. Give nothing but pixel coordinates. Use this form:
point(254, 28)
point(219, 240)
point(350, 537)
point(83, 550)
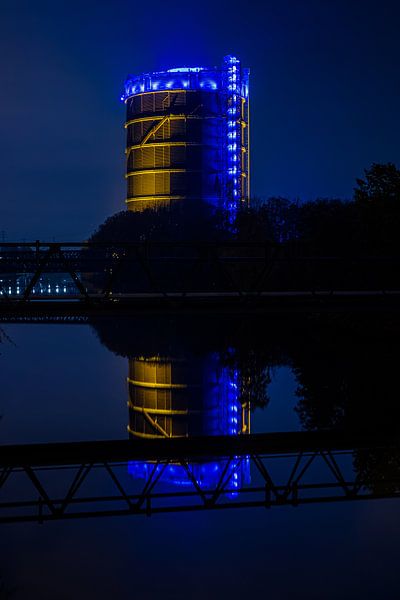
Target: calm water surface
point(69, 383)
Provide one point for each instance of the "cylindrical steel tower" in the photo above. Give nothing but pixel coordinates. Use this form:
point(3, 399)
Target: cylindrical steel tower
point(188, 136)
point(160, 392)
point(176, 397)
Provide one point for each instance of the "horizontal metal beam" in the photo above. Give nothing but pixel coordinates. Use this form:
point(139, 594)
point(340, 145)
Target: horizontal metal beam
point(183, 508)
point(111, 489)
point(189, 448)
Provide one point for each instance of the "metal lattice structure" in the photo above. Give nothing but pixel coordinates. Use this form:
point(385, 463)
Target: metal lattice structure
point(142, 273)
point(277, 469)
point(188, 136)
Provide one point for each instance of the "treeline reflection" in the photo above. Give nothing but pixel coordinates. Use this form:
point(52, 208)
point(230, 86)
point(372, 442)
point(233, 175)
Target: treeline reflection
point(204, 375)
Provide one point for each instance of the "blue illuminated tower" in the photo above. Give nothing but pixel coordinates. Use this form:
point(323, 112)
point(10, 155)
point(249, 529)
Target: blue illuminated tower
point(188, 136)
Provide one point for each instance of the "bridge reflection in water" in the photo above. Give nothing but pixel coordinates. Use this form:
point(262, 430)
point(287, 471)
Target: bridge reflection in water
point(287, 469)
point(191, 383)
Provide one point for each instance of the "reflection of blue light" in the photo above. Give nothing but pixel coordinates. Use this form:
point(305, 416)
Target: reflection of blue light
point(207, 475)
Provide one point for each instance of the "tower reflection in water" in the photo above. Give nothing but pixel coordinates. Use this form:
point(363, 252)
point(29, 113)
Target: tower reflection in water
point(177, 397)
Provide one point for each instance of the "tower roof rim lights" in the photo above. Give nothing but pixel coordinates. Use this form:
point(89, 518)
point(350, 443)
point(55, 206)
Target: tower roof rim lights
point(182, 78)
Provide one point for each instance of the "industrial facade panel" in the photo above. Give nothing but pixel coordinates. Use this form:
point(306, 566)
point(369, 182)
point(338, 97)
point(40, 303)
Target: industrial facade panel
point(162, 184)
point(178, 156)
point(178, 183)
point(164, 396)
point(177, 130)
point(161, 102)
point(147, 103)
point(153, 103)
point(148, 157)
point(137, 131)
point(149, 184)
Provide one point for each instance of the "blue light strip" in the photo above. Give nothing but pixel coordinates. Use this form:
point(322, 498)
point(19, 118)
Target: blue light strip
point(206, 474)
point(233, 90)
point(190, 78)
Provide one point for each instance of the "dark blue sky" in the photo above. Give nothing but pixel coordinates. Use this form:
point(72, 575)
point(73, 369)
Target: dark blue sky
point(325, 84)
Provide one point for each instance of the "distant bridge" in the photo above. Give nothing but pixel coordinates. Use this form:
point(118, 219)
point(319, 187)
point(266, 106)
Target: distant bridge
point(79, 278)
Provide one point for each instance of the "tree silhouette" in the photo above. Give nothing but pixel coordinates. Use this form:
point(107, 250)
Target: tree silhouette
point(379, 469)
point(381, 184)
point(190, 220)
point(377, 198)
point(254, 375)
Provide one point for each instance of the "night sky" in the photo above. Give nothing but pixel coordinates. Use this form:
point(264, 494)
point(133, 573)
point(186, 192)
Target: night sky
point(325, 84)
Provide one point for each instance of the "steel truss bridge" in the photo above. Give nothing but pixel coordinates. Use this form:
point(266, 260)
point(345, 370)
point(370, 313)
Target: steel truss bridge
point(285, 469)
point(105, 276)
